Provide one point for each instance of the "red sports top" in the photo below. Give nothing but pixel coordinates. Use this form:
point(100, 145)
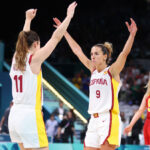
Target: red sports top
point(148, 106)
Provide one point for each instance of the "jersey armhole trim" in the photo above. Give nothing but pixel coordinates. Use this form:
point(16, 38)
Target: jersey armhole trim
point(30, 59)
point(113, 77)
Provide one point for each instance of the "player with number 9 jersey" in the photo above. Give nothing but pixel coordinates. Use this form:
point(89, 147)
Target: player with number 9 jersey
point(103, 92)
point(104, 128)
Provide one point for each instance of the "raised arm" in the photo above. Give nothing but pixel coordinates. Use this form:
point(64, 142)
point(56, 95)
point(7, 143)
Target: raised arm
point(76, 49)
point(118, 65)
point(137, 115)
point(30, 15)
point(45, 51)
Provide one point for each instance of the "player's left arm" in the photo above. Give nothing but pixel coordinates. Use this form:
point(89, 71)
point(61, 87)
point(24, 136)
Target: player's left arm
point(137, 115)
point(30, 15)
point(118, 65)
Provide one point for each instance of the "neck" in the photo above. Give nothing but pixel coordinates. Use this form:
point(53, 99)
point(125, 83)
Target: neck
point(101, 67)
point(32, 51)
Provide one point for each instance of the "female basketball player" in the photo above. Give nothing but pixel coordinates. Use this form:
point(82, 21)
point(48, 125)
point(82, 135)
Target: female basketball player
point(26, 123)
point(145, 104)
point(104, 126)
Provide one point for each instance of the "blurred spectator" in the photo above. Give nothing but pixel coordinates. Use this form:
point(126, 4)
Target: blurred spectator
point(77, 81)
point(66, 129)
point(73, 115)
point(59, 112)
point(85, 84)
point(51, 126)
point(124, 124)
point(136, 131)
point(4, 120)
point(83, 133)
point(133, 80)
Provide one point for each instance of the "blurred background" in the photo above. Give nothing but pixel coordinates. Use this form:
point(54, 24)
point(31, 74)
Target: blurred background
point(65, 79)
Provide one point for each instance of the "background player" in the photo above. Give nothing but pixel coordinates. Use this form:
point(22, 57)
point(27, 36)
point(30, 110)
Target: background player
point(144, 105)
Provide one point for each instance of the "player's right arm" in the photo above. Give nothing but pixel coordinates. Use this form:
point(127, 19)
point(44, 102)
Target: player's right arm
point(30, 15)
point(45, 51)
point(76, 49)
point(137, 115)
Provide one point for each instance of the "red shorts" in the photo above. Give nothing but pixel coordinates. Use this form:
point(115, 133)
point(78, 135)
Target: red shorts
point(147, 132)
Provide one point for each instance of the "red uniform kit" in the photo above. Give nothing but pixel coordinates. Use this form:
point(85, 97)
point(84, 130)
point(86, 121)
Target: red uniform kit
point(147, 123)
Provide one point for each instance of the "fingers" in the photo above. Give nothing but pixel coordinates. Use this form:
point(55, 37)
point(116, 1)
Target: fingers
point(35, 10)
point(31, 11)
point(71, 9)
point(74, 4)
point(57, 21)
point(54, 25)
point(133, 22)
point(54, 19)
point(127, 24)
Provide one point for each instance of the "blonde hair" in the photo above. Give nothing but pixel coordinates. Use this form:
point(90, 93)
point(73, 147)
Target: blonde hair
point(106, 48)
point(109, 47)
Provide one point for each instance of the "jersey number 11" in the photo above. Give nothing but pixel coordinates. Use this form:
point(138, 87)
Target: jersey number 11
point(17, 80)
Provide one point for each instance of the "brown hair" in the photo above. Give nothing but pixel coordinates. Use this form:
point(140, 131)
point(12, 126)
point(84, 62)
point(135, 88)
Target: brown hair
point(24, 42)
point(106, 49)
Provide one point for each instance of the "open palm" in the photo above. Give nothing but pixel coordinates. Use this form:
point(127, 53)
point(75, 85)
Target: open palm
point(57, 21)
point(132, 28)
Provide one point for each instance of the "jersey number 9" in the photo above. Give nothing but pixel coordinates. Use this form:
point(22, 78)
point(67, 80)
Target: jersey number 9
point(98, 93)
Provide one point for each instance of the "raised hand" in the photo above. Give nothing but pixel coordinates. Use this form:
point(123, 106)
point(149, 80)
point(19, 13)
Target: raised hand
point(127, 129)
point(57, 21)
point(30, 14)
point(132, 27)
point(71, 9)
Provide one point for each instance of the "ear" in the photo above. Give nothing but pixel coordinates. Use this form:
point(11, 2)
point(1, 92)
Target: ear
point(105, 57)
point(35, 44)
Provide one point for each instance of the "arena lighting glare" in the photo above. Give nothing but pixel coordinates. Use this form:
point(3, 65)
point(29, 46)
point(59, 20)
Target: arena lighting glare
point(52, 89)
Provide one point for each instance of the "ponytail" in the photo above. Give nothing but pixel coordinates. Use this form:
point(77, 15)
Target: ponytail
point(108, 45)
point(24, 42)
point(21, 51)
